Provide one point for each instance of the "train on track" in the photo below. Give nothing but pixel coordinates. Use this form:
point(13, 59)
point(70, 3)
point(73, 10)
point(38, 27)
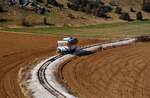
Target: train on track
point(67, 45)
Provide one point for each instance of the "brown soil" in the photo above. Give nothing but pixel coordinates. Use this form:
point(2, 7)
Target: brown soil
point(121, 72)
point(18, 50)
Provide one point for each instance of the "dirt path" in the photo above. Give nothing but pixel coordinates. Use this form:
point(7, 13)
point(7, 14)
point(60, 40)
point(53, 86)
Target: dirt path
point(18, 50)
point(122, 72)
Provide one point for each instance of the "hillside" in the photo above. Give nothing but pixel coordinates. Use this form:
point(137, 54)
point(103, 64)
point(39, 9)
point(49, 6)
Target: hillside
point(127, 4)
point(60, 14)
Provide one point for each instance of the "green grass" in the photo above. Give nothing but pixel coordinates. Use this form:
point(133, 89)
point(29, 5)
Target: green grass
point(121, 29)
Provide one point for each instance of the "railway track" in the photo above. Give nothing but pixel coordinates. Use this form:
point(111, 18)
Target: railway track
point(43, 80)
point(42, 77)
point(42, 70)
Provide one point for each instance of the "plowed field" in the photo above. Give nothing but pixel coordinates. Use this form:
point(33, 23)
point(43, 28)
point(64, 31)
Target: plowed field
point(122, 72)
point(19, 50)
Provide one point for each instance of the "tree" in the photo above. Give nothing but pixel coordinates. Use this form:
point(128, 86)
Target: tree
point(118, 10)
point(139, 16)
point(113, 3)
point(3, 6)
point(95, 7)
point(45, 20)
point(52, 2)
point(26, 22)
point(132, 10)
point(146, 6)
point(100, 12)
point(125, 16)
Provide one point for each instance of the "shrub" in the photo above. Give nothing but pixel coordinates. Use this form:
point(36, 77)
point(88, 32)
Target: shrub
point(69, 5)
point(107, 9)
point(3, 8)
point(3, 20)
point(132, 10)
point(88, 9)
point(75, 7)
point(125, 16)
point(112, 3)
point(45, 20)
point(41, 1)
point(52, 2)
point(118, 10)
point(71, 16)
point(26, 22)
point(146, 7)
point(40, 9)
point(100, 12)
point(95, 7)
point(139, 16)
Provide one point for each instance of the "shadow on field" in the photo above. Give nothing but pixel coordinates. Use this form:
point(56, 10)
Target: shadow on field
point(144, 38)
point(83, 53)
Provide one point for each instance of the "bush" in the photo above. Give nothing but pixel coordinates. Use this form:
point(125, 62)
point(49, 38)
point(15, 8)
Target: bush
point(107, 9)
point(45, 21)
point(3, 20)
point(40, 9)
point(88, 9)
point(95, 7)
point(71, 16)
point(41, 1)
point(125, 16)
point(146, 7)
point(132, 10)
point(139, 16)
point(100, 12)
point(69, 5)
point(118, 10)
point(112, 3)
point(74, 7)
point(26, 22)
point(52, 2)
point(3, 8)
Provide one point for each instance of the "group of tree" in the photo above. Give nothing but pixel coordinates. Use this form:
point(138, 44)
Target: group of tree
point(95, 7)
point(3, 6)
point(126, 15)
point(146, 5)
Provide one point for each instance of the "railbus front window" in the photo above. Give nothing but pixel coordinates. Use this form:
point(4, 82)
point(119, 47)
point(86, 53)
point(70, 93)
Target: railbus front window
point(62, 44)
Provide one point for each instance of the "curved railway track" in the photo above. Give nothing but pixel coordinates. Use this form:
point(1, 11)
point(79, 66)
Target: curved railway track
point(43, 80)
point(42, 70)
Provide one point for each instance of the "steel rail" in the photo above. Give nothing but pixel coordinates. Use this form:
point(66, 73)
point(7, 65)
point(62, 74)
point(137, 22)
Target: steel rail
point(43, 80)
